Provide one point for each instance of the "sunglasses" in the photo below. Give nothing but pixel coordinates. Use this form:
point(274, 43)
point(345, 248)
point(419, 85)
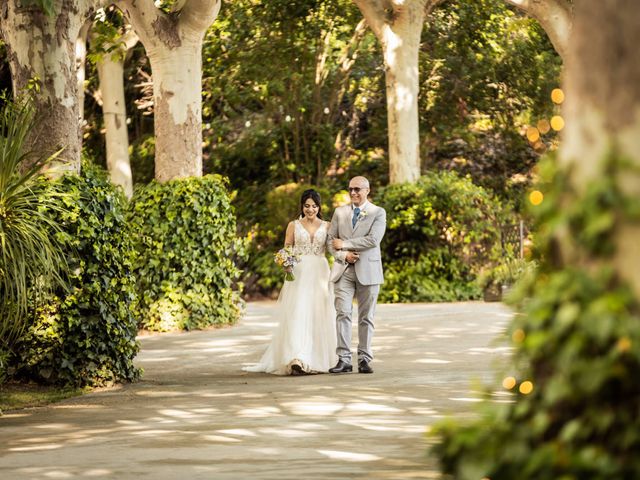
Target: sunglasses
point(356, 189)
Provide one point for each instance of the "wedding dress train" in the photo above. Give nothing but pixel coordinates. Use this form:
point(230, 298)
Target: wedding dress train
point(305, 338)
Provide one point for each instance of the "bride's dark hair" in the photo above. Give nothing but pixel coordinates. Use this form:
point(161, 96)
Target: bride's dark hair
point(313, 195)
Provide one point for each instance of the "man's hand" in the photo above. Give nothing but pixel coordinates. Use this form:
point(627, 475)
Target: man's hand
point(352, 257)
point(337, 244)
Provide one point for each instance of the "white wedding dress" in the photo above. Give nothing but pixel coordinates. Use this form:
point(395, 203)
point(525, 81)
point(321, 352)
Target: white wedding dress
point(306, 333)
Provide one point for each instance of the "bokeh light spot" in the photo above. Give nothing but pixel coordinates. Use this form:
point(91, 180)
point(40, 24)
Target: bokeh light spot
point(536, 197)
point(557, 96)
point(509, 383)
point(518, 335)
point(544, 126)
point(533, 135)
point(539, 147)
point(624, 344)
point(557, 123)
point(526, 387)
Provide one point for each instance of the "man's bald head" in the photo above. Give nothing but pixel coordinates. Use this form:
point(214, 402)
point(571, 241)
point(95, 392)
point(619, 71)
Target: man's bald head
point(359, 181)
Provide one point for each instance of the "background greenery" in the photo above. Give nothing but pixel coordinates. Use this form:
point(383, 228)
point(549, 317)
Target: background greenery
point(486, 72)
point(31, 259)
point(441, 231)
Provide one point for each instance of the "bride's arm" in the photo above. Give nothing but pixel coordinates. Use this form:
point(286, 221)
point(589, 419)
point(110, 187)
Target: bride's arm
point(289, 237)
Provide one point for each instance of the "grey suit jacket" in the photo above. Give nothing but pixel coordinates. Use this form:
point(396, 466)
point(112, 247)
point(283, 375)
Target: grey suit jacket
point(365, 239)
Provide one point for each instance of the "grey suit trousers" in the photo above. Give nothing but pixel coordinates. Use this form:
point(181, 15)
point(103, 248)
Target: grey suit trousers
point(346, 288)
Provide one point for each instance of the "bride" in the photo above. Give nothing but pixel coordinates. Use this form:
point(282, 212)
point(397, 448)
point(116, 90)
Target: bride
point(304, 341)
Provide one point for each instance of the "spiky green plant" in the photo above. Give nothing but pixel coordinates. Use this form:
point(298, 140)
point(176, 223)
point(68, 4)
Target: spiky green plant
point(30, 256)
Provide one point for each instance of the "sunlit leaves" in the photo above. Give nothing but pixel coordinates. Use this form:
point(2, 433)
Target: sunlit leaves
point(31, 257)
point(186, 266)
point(440, 230)
point(97, 309)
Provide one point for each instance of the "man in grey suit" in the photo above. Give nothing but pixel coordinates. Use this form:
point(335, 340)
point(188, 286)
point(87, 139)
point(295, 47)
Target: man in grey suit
point(354, 241)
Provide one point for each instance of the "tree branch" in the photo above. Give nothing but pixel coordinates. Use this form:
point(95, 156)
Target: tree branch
point(198, 15)
point(555, 17)
point(141, 15)
point(374, 13)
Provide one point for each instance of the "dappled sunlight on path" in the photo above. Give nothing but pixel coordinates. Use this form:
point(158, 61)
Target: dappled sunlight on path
point(197, 415)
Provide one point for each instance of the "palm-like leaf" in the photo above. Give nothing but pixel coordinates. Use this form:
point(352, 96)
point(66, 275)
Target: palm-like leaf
point(30, 256)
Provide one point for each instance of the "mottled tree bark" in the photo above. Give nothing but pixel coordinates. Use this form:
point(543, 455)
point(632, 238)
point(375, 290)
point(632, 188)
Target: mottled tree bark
point(42, 53)
point(174, 45)
point(602, 110)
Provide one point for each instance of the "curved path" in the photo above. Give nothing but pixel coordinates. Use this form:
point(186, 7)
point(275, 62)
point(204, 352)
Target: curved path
point(196, 415)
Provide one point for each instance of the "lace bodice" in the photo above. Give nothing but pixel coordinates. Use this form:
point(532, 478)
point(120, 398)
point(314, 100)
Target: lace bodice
point(305, 245)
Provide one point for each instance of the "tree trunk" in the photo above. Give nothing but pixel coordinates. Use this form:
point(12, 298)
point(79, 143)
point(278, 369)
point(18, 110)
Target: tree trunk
point(81, 60)
point(555, 17)
point(398, 25)
point(174, 45)
point(41, 50)
point(177, 91)
point(603, 112)
point(111, 74)
point(400, 45)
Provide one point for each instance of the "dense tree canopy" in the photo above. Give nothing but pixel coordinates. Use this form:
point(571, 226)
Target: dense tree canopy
point(295, 91)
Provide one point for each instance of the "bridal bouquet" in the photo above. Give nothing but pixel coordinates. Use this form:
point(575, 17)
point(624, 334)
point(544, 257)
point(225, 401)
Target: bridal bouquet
point(286, 258)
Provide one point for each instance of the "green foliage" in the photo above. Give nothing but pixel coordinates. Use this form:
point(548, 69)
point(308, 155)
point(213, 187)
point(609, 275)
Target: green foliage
point(31, 257)
point(488, 71)
point(266, 121)
point(86, 335)
point(440, 231)
point(106, 35)
point(142, 155)
point(507, 272)
point(407, 281)
point(186, 242)
point(577, 341)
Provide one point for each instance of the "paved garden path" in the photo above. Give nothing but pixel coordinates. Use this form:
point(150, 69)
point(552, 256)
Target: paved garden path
point(196, 415)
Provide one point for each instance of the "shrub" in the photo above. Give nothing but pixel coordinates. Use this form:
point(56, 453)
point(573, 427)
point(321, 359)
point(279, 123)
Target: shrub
point(86, 335)
point(186, 239)
point(31, 258)
point(440, 231)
